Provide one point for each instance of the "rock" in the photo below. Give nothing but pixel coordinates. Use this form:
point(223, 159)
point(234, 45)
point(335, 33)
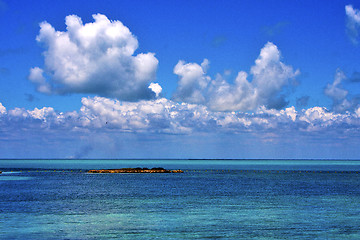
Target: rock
point(135, 170)
point(158, 168)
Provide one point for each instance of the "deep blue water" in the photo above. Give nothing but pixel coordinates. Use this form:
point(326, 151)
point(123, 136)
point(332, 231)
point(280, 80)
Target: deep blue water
point(211, 200)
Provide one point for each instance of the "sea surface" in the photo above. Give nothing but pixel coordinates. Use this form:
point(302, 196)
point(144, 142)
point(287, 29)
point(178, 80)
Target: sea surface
point(212, 199)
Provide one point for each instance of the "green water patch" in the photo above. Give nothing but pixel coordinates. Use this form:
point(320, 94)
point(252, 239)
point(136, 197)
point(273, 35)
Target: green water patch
point(14, 178)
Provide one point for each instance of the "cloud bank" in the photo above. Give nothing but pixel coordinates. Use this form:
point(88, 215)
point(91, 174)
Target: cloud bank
point(167, 117)
point(270, 76)
point(96, 58)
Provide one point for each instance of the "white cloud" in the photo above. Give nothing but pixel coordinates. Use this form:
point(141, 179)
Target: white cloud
point(18, 113)
point(321, 114)
point(36, 76)
point(2, 109)
point(101, 114)
point(192, 81)
point(289, 113)
point(338, 94)
point(269, 77)
point(353, 23)
point(156, 88)
point(95, 57)
point(320, 119)
point(42, 114)
point(159, 115)
point(224, 96)
point(357, 112)
point(334, 90)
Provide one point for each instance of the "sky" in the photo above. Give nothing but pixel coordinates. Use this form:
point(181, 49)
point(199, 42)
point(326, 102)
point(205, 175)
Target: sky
point(180, 79)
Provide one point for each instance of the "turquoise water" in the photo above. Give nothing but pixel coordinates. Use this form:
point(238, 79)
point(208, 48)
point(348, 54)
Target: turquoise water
point(340, 165)
point(269, 199)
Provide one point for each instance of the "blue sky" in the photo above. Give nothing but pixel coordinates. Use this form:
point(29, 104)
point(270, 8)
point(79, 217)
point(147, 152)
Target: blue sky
point(179, 79)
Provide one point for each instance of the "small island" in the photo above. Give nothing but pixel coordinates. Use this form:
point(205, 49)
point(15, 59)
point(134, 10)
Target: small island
point(135, 170)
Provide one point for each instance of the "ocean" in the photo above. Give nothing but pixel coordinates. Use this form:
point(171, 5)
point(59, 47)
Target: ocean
point(212, 199)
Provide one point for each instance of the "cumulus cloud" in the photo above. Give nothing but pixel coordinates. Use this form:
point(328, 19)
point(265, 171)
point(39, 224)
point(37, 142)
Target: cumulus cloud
point(335, 90)
point(320, 119)
point(192, 81)
point(353, 23)
point(156, 88)
point(2, 109)
point(96, 57)
point(319, 114)
point(338, 94)
point(223, 96)
point(44, 114)
point(36, 76)
point(269, 78)
point(357, 112)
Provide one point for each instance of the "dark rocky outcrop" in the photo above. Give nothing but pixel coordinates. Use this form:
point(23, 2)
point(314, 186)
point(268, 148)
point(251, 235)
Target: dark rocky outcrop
point(135, 170)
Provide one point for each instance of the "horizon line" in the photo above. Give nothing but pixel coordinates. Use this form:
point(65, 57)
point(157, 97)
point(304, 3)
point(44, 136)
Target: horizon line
point(204, 159)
